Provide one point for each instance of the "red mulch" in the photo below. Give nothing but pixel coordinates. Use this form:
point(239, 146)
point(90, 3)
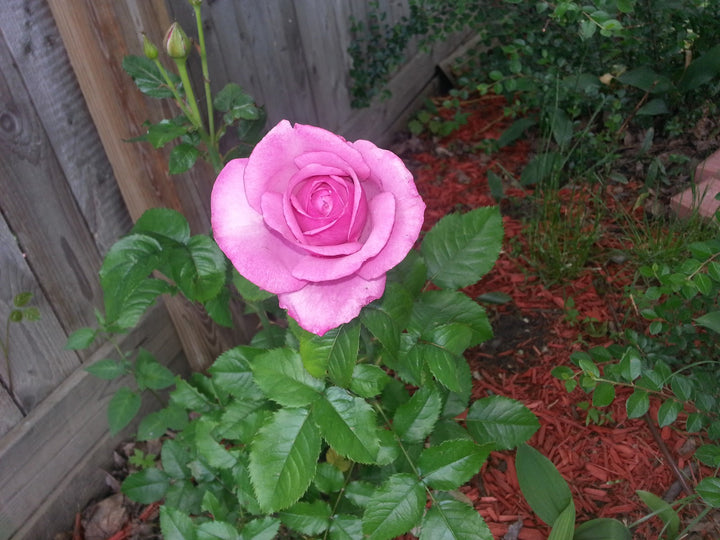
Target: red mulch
point(604, 465)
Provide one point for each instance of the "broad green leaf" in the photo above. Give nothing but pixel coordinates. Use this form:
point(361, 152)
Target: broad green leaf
point(654, 107)
point(561, 127)
point(452, 463)
point(149, 373)
point(152, 426)
point(248, 290)
point(348, 424)
point(344, 527)
point(209, 449)
point(175, 459)
point(359, 493)
point(451, 370)
point(682, 387)
point(307, 518)
point(637, 404)
point(147, 76)
point(182, 157)
point(22, 299)
point(541, 168)
point(176, 525)
point(328, 478)
point(232, 375)
point(218, 308)
point(146, 486)
point(136, 304)
point(564, 525)
point(386, 317)
point(664, 511)
point(220, 530)
point(541, 484)
point(368, 380)
point(435, 308)
point(701, 70)
point(336, 352)
point(515, 131)
point(281, 375)
point(81, 338)
point(188, 397)
point(461, 248)
point(395, 508)
point(602, 529)
point(108, 369)
point(604, 394)
point(199, 270)
point(162, 133)
point(414, 420)
point(236, 103)
point(502, 421)
point(260, 529)
point(630, 365)
point(283, 457)
point(710, 320)
point(450, 519)
point(668, 412)
point(646, 80)
point(709, 454)
point(122, 408)
point(709, 490)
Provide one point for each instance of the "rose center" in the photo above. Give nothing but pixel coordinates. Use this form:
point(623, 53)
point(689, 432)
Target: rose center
point(322, 200)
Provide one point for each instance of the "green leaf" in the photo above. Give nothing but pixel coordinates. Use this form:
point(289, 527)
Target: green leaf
point(328, 478)
point(122, 408)
point(668, 412)
point(261, 529)
point(22, 299)
point(233, 100)
point(637, 404)
point(368, 380)
point(435, 308)
point(146, 486)
point(108, 369)
point(15, 316)
point(604, 394)
point(646, 80)
point(541, 168)
point(199, 270)
point(395, 508)
point(654, 107)
point(307, 518)
point(232, 374)
point(502, 421)
point(541, 484)
point(664, 511)
point(81, 338)
point(281, 375)
point(162, 133)
point(153, 426)
point(283, 457)
point(211, 530)
point(188, 397)
point(452, 463)
point(451, 370)
point(348, 424)
point(31, 314)
point(462, 248)
point(147, 76)
point(515, 131)
point(345, 527)
point(210, 450)
point(218, 308)
point(709, 490)
point(149, 373)
point(336, 352)
point(450, 519)
point(710, 320)
point(564, 525)
point(175, 459)
point(163, 223)
point(414, 420)
point(386, 318)
point(602, 529)
point(182, 157)
point(248, 290)
point(701, 70)
point(709, 454)
point(561, 127)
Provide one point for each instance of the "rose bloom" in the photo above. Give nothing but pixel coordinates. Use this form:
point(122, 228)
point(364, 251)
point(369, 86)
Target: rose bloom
point(316, 220)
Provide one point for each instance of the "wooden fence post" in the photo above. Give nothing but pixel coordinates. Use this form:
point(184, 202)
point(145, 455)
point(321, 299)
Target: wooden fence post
point(97, 35)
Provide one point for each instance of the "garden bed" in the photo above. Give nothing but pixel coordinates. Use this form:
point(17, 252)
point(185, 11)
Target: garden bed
point(536, 328)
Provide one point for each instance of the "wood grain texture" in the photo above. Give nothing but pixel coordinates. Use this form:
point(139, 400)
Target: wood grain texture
point(56, 438)
point(40, 209)
point(97, 35)
point(36, 48)
point(37, 359)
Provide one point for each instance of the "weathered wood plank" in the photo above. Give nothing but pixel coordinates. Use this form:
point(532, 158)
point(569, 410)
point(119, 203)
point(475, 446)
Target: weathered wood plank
point(45, 69)
point(97, 35)
point(40, 209)
point(54, 440)
point(37, 359)
point(10, 413)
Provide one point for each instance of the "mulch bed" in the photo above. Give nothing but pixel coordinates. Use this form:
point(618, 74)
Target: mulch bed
point(603, 464)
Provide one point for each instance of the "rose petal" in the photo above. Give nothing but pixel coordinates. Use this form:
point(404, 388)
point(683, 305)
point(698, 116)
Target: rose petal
point(321, 307)
point(258, 254)
point(392, 175)
point(382, 216)
point(272, 162)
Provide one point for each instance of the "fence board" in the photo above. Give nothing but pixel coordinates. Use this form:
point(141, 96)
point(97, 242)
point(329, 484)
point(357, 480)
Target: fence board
point(55, 439)
point(38, 361)
point(45, 69)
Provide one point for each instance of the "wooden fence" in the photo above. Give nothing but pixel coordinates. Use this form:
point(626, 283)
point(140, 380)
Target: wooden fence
point(70, 186)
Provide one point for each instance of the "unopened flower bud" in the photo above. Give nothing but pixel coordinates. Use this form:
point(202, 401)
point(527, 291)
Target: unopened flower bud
point(149, 48)
point(176, 42)
point(195, 3)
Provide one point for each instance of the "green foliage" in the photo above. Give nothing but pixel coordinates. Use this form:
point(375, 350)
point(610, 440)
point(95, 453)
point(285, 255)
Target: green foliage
point(20, 312)
point(348, 434)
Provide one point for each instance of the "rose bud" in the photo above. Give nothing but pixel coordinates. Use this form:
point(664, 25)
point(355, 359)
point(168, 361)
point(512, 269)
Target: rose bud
point(176, 42)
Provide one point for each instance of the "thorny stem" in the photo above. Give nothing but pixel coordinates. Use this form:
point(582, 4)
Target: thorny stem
point(206, 74)
point(176, 95)
point(195, 117)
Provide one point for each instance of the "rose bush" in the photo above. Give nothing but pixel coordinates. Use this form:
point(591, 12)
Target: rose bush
point(317, 220)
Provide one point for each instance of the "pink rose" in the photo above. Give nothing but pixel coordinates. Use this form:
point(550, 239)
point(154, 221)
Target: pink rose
point(316, 220)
